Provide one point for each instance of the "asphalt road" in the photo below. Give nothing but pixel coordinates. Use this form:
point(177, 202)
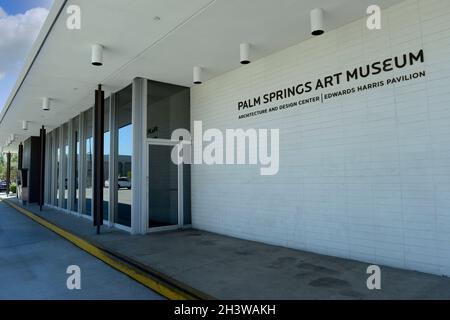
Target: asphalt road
point(34, 261)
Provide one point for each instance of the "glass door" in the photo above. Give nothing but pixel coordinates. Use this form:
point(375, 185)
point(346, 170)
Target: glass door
point(164, 188)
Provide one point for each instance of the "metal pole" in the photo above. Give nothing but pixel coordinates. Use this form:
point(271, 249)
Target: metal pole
point(99, 109)
point(42, 168)
point(20, 157)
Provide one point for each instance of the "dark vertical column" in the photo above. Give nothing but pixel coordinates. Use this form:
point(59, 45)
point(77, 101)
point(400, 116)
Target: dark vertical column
point(42, 168)
point(97, 196)
point(20, 157)
point(19, 168)
point(8, 172)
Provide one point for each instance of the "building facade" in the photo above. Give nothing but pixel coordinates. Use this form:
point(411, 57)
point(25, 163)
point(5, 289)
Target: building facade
point(364, 138)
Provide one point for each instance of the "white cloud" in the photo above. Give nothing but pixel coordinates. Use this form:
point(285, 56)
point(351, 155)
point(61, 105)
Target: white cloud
point(18, 33)
point(2, 75)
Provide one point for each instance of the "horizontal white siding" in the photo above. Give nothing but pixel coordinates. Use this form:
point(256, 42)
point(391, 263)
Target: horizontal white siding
point(364, 176)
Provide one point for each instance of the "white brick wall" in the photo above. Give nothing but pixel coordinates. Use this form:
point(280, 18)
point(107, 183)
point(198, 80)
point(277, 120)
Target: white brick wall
point(365, 176)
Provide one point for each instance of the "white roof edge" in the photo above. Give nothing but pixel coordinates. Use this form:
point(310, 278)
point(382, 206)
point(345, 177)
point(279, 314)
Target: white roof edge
point(46, 28)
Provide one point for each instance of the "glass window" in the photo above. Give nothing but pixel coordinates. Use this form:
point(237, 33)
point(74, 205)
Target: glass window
point(106, 152)
point(52, 159)
point(187, 194)
point(162, 187)
point(57, 164)
point(123, 158)
point(65, 163)
point(168, 108)
point(76, 155)
point(47, 170)
point(89, 141)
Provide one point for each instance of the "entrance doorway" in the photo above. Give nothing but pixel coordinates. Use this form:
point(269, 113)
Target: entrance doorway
point(165, 187)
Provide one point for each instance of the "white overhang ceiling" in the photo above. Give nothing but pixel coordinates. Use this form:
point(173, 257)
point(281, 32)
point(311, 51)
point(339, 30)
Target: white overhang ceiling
point(187, 33)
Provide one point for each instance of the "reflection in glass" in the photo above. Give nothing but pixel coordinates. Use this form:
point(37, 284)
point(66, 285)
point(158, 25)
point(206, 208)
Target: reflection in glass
point(58, 157)
point(168, 108)
point(88, 161)
point(48, 168)
point(76, 155)
point(123, 158)
point(106, 152)
point(163, 187)
point(187, 194)
point(65, 168)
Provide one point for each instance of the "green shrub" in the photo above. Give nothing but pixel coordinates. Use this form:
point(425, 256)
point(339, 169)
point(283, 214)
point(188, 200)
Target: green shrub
point(13, 188)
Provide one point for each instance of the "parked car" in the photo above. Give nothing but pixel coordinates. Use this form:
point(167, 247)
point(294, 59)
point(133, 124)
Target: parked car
point(2, 185)
point(122, 182)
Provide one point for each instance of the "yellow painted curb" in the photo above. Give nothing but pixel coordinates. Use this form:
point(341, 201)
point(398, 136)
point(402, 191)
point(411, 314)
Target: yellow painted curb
point(136, 274)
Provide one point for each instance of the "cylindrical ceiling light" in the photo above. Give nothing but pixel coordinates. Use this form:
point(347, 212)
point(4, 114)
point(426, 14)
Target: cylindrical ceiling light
point(97, 55)
point(12, 137)
point(24, 125)
point(317, 22)
point(197, 77)
point(46, 104)
point(245, 53)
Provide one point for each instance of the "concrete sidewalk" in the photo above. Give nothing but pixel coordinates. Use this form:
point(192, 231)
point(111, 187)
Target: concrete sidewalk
point(230, 268)
point(34, 260)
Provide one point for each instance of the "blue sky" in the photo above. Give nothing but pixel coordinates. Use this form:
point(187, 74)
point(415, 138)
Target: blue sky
point(13, 7)
point(20, 22)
